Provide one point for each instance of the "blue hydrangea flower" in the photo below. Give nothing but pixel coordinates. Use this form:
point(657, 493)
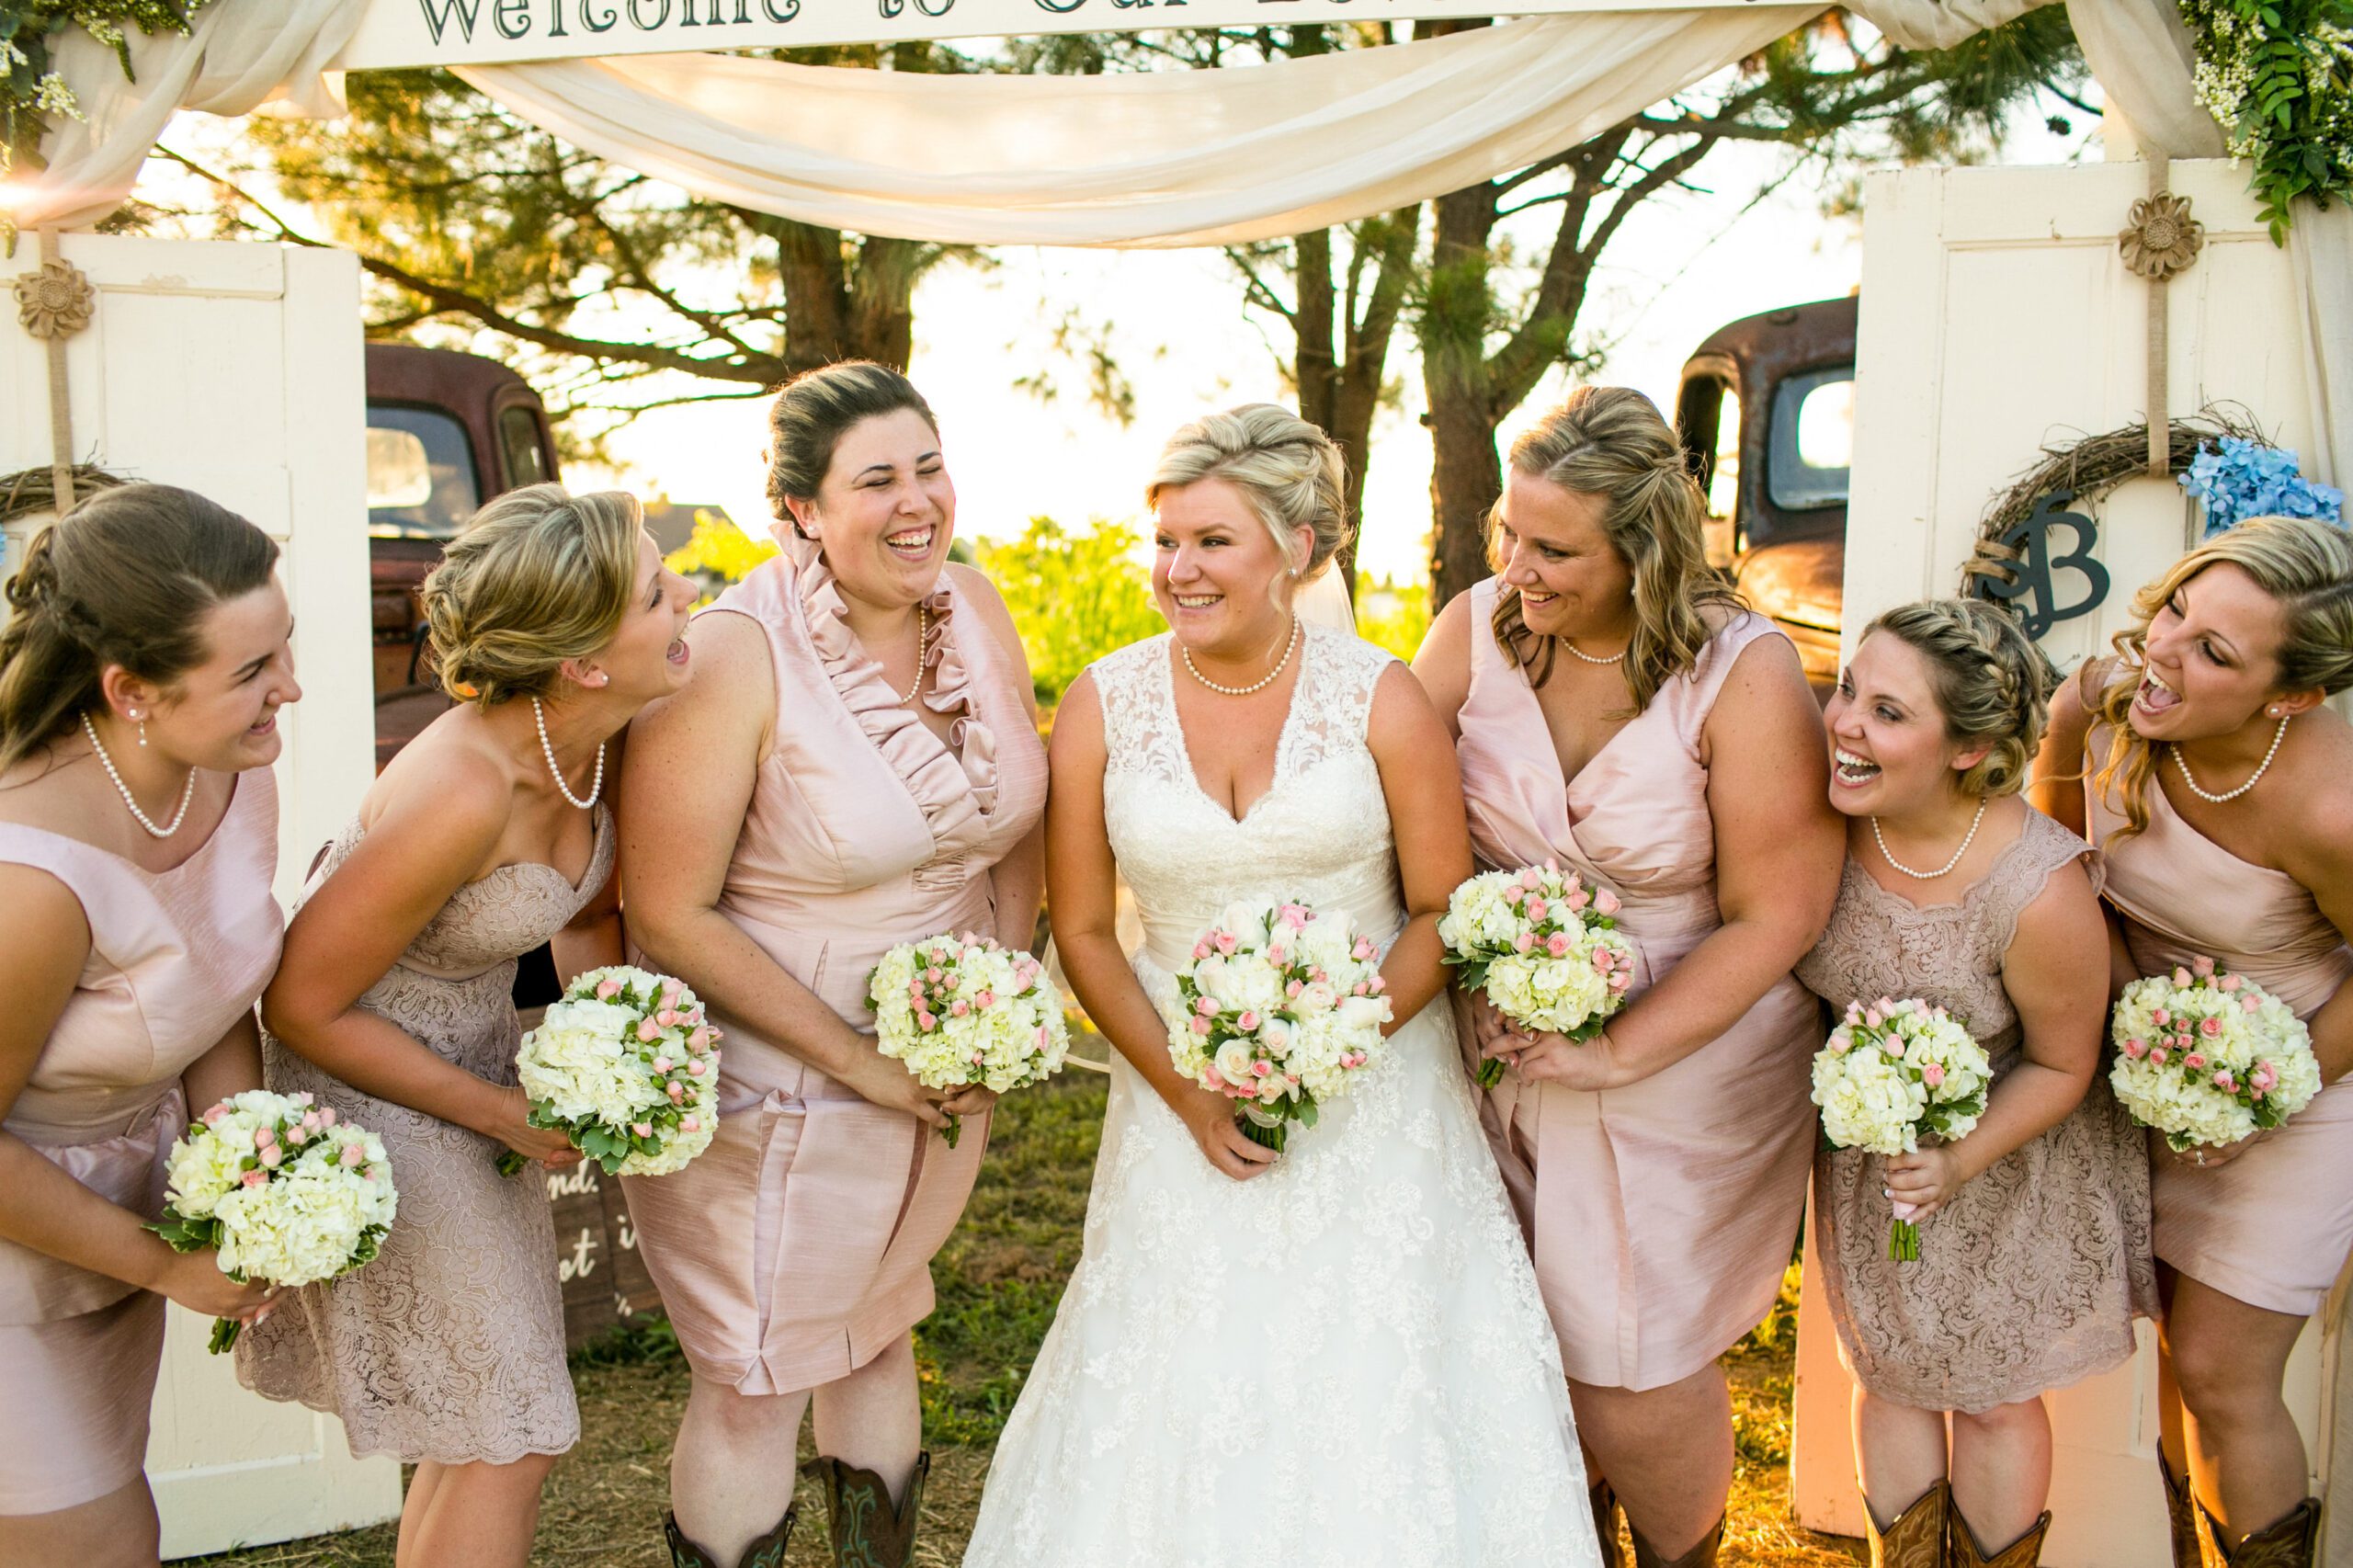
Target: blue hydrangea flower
point(2248, 479)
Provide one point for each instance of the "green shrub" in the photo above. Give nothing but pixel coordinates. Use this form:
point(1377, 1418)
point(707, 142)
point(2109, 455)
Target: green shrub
point(1394, 615)
point(1074, 596)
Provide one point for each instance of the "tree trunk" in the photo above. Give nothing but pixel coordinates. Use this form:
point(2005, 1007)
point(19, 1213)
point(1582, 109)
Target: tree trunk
point(835, 310)
point(1465, 478)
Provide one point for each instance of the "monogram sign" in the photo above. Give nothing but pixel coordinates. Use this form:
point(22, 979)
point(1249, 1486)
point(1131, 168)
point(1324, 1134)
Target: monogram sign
point(2043, 590)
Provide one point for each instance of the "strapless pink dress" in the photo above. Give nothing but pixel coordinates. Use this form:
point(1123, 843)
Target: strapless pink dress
point(2271, 1228)
point(176, 956)
point(1662, 1215)
point(798, 1247)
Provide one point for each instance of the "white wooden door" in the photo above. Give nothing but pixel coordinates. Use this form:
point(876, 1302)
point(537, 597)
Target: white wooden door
point(236, 370)
point(1997, 316)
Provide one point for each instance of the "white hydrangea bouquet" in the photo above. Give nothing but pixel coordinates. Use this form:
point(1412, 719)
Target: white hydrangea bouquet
point(281, 1190)
point(2207, 1057)
point(1892, 1073)
point(1545, 949)
point(626, 1066)
point(1276, 1009)
point(963, 1010)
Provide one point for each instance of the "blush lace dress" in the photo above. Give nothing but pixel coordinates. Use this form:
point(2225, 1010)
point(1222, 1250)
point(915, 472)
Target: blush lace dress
point(1344, 1363)
point(449, 1346)
point(2031, 1276)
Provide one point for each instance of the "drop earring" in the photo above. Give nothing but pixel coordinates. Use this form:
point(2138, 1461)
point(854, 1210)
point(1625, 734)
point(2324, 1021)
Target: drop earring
point(142, 728)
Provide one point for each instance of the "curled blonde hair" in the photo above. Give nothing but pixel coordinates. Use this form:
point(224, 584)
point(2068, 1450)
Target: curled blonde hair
point(1992, 683)
point(2306, 565)
point(1291, 472)
point(539, 576)
point(1610, 443)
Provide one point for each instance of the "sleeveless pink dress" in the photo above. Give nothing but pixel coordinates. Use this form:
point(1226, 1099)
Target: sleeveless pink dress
point(175, 958)
point(1662, 1214)
point(2272, 1227)
point(798, 1247)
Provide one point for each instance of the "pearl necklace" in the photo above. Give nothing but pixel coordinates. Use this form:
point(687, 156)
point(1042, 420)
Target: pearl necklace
point(1259, 685)
point(2277, 736)
point(188, 792)
point(922, 634)
point(547, 749)
point(1931, 876)
point(1615, 658)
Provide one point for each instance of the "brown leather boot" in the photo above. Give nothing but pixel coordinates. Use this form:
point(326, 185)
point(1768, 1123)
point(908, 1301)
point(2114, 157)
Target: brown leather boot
point(766, 1552)
point(1604, 1499)
point(1916, 1538)
point(2285, 1543)
point(866, 1531)
point(1962, 1549)
point(2181, 1515)
point(1700, 1556)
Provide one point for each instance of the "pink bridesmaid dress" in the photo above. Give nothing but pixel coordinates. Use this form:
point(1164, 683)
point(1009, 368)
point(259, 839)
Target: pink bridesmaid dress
point(798, 1247)
point(175, 958)
point(1662, 1215)
point(2272, 1227)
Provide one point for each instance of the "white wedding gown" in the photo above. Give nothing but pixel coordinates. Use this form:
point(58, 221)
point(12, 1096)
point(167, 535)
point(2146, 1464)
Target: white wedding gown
point(1344, 1363)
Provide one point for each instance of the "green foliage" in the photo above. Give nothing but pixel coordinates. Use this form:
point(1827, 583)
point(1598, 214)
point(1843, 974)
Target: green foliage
point(31, 92)
point(1074, 596)
point(2278, 74)
point(717, 550)
point(1394, 615)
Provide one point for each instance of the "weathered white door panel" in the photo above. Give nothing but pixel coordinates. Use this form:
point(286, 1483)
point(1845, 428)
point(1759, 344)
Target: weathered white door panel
point(1997, 316)
point(236, 370)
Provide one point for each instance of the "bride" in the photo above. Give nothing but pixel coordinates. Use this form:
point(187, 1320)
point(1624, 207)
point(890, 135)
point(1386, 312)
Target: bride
point(1337, 1355)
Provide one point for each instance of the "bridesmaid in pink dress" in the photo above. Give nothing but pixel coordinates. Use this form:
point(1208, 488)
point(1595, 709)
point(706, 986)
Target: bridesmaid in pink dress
point(854, 765)
point(1620, 712)
point(139, 681)
point(2213, 782)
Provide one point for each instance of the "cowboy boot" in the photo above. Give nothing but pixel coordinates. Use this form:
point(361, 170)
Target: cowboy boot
point(1604, 1499)
point(1704, 1555)
point(2181, 1515)
point(1962, 1550)
point(2286, 1542)
point(866, 1531)
point(768, 1551)
point(1916, 1538)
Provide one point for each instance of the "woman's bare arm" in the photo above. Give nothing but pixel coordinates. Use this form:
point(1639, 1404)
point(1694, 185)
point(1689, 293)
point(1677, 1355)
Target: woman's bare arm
point(1415, 757)
point(1442, 664)
point(1019, 879)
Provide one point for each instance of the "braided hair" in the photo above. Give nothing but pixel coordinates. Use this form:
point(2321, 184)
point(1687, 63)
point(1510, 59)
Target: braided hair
point(1992, 683)
point(127, 578)
point(1611, 443)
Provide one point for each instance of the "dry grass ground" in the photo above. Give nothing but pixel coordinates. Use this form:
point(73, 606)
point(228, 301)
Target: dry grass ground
point(999, 1278)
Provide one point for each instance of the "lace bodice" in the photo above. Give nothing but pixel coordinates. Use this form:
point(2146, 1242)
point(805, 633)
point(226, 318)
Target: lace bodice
point(1320, 834)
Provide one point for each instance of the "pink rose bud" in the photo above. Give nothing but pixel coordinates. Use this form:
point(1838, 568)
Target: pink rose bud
point(264, 1137)
point(2136, 1049)
point(2157, 1057)
point(1522, 943)
point(663, 1065)
point(311, 1121)
point(1605, 959)
point(2160, 1017)
point(1380, 983)
point(676, 1091)
point(1261, 1069)
point(2224, 1082)
point(1932, 1075)
point(2255, 1094)
point(648, 1030)
point(1551, 864)
point(2251, 1004)
point(690, 1124)
point(927, 1019)
point(1621, 979)
point(214, 1117)
point(607, 989)
point(352, 1154)
point(2229, 983)
point(2193, 1060)
point(253, 1178)
point(1557, 944)
point(1536, 909)
point(1211, 1078)
point(1295, 988)
point(2204, 966)
point(931, 977)
point(1872, 1018)
point(668, 1018)
point(326, 1116)
point(1226, 943)
point(2180, 975)
point(1207, 1007)
point(2209, 1028)
point(1577, 897)
point(1200, 1026)
point(1201, 951)
point(961, 1007)
point(642, 1128)
point(1247, 1021)
point(297, 1135)
point(1605, 901)
point(1364, 949)
point(696, 1069)
point(272, 1156)
point(985, 999)
point(699, 1042)
point(1276, 954)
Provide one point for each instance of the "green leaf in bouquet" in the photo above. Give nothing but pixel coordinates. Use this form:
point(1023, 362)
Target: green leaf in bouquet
point(185, 1234)
point(1307, 1113)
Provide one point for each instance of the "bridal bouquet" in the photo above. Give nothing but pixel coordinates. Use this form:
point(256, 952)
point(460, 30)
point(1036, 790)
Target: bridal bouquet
point(1276, 1008)
point(624, 1066)
point(963, 1010)
point(281, 1190)
point(2208, 1057)
point(1891, 1073)
point(1544, 948)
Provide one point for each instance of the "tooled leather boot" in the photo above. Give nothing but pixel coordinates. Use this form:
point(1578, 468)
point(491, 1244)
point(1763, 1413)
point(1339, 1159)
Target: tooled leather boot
point(1704, 1555)
point(768, 1551)
point(1962, 1549)
point(1916, 1538)
point(1604, 1498)
point(866, 1531)
point(2286, 1542)
point(2181, 1515)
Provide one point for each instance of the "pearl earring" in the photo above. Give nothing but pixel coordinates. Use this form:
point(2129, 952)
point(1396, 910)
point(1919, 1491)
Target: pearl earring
point(142, 728)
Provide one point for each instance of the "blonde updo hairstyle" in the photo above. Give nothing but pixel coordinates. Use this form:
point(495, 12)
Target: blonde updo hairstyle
point(2306, 565)
point(1289, 473)
point(1993, 684)
point(814, 410)
point(539, 576)
point(1610, 443)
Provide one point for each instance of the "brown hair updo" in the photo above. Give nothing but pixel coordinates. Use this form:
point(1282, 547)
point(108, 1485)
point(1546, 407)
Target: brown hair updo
point(126, 578)
point(811, 413)
point(539, 576)
point(1992, 684)
point(1610, 443)
point(2306, 565)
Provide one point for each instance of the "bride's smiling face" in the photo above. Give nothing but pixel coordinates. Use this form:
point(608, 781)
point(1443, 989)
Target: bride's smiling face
point(1216, 572)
